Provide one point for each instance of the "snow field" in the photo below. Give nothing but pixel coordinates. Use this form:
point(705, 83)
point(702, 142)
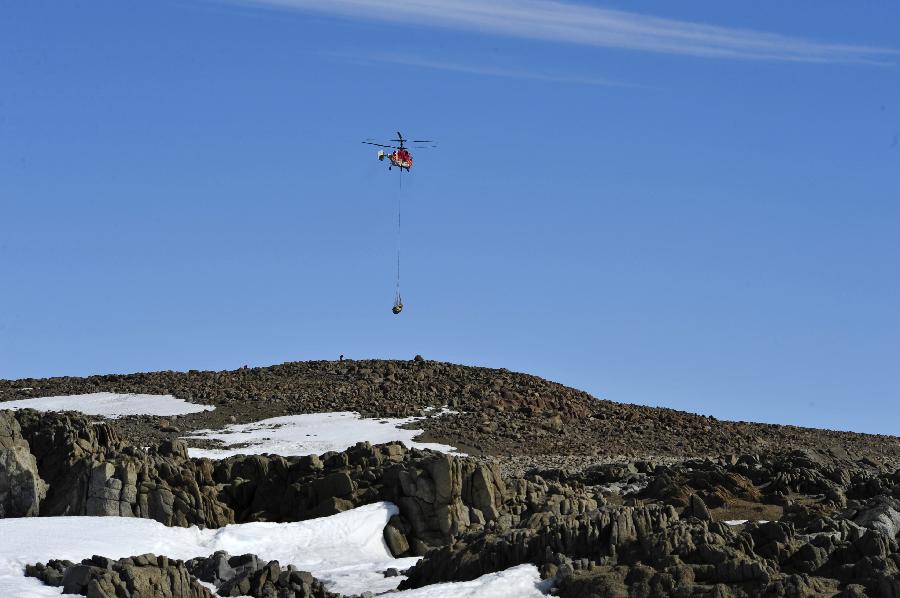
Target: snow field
point(292, 435)
point(310, 434)
point(111, 404)
point(346, 551)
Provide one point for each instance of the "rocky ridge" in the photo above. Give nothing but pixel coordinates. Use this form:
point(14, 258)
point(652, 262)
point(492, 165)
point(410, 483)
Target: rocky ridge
point(501, 413)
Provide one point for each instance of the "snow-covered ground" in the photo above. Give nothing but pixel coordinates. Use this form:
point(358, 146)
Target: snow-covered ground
point(742, 521)
point(291, 435)
point(111, 404)
point(625, 488)
point(346, 551)
point(314, 433)
point(522, 581)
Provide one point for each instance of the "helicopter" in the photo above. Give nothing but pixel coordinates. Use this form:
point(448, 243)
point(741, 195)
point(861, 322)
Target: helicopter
point(401, 156)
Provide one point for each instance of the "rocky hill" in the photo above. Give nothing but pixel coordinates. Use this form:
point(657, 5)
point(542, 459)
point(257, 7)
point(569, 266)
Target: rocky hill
point(605, 499)
point(501, 413)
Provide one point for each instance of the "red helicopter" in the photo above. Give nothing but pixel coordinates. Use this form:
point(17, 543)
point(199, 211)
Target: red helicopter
point(400, 157)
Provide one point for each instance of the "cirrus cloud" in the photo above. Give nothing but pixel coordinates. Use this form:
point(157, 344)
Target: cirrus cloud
point(557, 21)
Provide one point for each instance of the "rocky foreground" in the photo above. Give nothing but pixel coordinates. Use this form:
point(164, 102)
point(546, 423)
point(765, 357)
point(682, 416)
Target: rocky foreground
point(605, 499)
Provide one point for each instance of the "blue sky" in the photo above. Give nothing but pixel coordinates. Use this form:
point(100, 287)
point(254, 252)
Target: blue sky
point(694, 205)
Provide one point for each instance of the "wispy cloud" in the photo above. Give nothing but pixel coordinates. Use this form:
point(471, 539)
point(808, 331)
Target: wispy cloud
point(488, 71)
point(566, 22)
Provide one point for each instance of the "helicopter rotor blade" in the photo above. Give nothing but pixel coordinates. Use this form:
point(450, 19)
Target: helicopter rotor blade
point(378, 144)
point(422, 141)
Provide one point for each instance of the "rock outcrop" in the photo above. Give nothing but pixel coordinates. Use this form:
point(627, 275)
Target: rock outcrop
point(151, 576)
point(247, 575)
point(134, 577)
point(94, 472)
point(650, 551)
point(21, 487)
point(600, 535)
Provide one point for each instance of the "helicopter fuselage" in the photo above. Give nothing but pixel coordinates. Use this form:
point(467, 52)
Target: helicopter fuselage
point(401, 158)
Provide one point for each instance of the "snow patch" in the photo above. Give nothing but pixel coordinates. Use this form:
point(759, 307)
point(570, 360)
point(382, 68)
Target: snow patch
point(743, 521)
point(346, 551)
point(522, 581)
point(629, 488)
point(430, 411)
point(310, 434)
point(111, 404)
